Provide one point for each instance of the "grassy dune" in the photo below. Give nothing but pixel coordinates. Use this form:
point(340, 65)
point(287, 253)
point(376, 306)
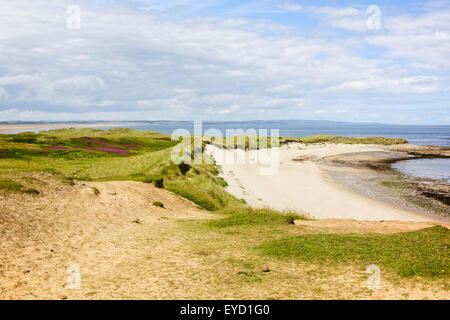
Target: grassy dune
point(124, 154)
point(116, 154)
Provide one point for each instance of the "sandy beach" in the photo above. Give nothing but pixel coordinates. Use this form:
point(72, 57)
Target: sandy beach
point(302, 186)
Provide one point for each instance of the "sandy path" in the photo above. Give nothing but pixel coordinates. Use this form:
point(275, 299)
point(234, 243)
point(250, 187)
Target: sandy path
point(301, 186)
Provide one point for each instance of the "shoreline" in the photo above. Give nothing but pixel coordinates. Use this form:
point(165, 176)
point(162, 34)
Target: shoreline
point(306, 167)
point(301, 185)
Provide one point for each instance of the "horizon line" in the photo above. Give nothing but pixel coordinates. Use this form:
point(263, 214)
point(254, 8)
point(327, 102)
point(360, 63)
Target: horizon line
point(213, 121)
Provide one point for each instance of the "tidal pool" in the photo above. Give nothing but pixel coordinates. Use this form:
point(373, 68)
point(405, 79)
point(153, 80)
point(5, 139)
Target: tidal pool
point(438, 168)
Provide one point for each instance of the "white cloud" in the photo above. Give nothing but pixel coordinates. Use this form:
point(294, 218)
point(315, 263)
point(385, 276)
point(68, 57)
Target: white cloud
point(123, 63)
point(229, 110)
point(291, 7)
point(347, 18)
point(236, 22)
point(423, 39)
point(419, 84)
point(333, 12)
point(3, 94)
point(282, 88)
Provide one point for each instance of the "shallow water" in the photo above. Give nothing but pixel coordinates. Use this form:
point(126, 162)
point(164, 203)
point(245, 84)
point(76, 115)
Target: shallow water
point(438, 169)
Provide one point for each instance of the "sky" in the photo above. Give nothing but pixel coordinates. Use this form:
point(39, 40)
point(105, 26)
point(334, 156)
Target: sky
point(358, 61)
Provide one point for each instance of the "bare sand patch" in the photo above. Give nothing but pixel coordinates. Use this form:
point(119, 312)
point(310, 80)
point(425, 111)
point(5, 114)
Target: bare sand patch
point(95, 225)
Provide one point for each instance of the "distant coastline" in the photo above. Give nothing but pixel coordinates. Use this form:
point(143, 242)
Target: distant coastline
point(438, 135)
point(17, 127)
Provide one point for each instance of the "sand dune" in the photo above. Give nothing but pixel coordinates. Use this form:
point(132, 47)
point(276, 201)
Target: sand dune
point(301, 186)
point(107, 229)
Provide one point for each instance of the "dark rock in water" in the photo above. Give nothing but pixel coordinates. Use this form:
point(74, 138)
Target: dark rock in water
point(440, 192)
point(376, 160)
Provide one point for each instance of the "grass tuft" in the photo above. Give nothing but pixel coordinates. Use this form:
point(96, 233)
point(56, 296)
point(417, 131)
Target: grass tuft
point(158, 204)
point(8, 185)
point(159, 183)
point(247, 216)
point(95, 191)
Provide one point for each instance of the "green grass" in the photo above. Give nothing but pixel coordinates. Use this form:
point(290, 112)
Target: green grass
point(10, 185)
point(80, 159)
point(423, 253)
point(203, 190)
point(7, 185)
point(149, 162)
point(246, 142)
point(246, 216)
point(158, 204)
point(394, 183)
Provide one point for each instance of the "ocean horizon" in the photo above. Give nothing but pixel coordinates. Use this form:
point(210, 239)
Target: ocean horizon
point(438, 135)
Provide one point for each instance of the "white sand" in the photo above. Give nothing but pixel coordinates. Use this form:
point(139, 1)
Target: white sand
point(301, 186)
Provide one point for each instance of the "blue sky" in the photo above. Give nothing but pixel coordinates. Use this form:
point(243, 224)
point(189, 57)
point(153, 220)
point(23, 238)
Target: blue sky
point(225, 60)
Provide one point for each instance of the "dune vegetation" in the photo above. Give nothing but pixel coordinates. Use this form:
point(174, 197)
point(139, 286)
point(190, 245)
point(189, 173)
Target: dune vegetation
point(323, 138)
point(116, 154)
point(257, 142)
point(127, 155)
